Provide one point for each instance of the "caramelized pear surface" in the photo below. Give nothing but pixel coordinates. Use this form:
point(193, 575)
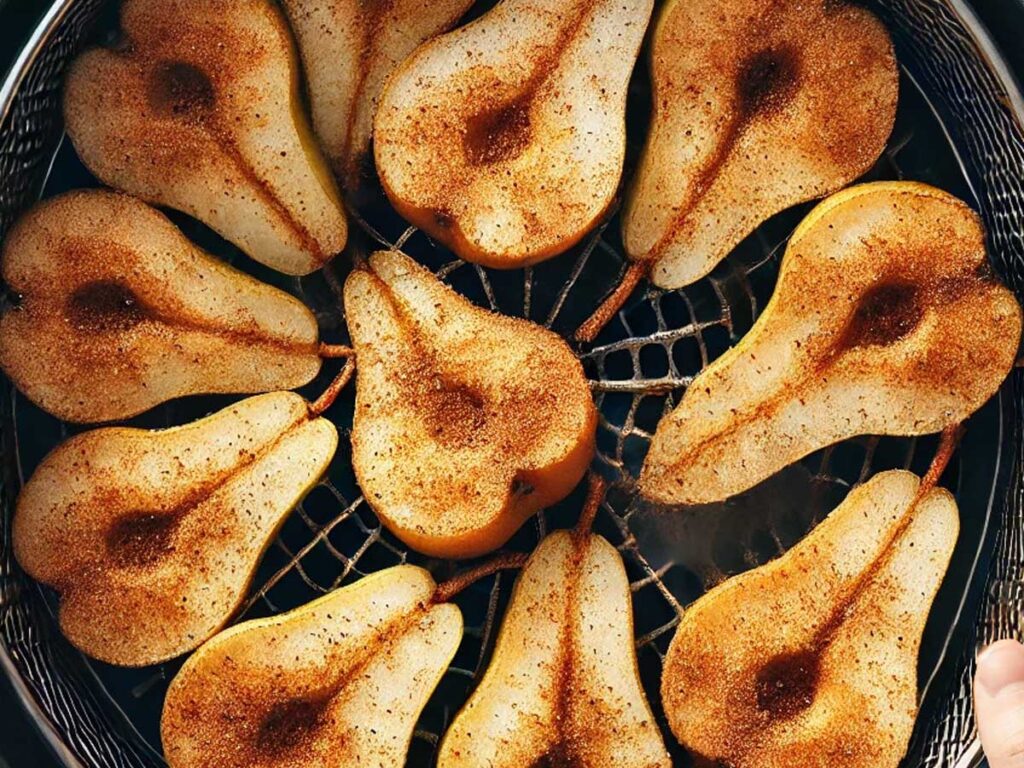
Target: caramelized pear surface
point(199, 109)
point(505, 139)
point(563, 687)
point(349, 48)
point(758, 105)
point(886, 319)
point(467, 422)
point(117, 312)
point(338, 682)
point(811, 660)
point(151, 538)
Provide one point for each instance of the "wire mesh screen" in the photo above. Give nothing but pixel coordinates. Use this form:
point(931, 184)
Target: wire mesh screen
point(639, 368)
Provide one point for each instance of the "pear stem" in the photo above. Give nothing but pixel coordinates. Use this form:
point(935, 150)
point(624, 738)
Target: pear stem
point(631, 278)
point(326, 400)
point(596, 487)
point(449, 589)
point(944, 453)
point(336, 351)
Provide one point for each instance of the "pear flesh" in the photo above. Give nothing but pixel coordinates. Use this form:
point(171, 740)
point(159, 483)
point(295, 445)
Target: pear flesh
point(467, 422)
point(886, 320)
point(338, 682)
point(151, 538)
point(812, 659)
point(349, 48)
point(111, 293)
point(563, 687)
point(199, 109)
point(758, 106)
point(505, 139)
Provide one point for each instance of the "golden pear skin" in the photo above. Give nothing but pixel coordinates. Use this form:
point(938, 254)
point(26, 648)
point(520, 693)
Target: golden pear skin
point(199, 109)
point(505, 139)
point(886, 320)
point(563, 687)
point(758, 105)
point(111, 293)
point(467, 422)
point(338, 682)
point(811, 660)
point(349, 48)
point(152, 537)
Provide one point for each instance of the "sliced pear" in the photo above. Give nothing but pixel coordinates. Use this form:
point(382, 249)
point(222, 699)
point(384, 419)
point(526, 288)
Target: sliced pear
point(563, 687)
point(340, 681)
point(794, 662)
point(152, 538)
point(758, 106)
point(111, 293)
point(466, 422)
point(886, 320)
point(349, 48)
point(199, 109)
point(505, 139)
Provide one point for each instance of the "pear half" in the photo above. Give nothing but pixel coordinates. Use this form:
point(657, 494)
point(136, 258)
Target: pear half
point(505, 139)
point(886, 319)
point(338, 682)
point(109, 292)
point(349, 48)
point(563, 687)
point(151, 538)
point(199, 109)
point(467, 422)
point(795, 662)
point(758, 105)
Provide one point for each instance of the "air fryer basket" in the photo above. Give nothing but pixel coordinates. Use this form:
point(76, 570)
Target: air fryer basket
point(960, 126)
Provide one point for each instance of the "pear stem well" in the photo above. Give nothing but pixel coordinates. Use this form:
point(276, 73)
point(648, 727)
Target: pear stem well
point(596, 488)
point(637, 271)
point(507, 561)
point(319, 406)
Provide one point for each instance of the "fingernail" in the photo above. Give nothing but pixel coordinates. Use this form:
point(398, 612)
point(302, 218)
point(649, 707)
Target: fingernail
point(1000, 666)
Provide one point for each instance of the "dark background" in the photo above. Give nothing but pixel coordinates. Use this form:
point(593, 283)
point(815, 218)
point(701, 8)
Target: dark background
point(20, 744)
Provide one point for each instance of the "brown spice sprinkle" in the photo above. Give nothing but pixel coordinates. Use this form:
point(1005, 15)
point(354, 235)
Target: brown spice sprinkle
point(490, 139)
point(786, 684)
point(467, 422)
point(141, 539)
point(768, 80)
point(349, 48)
point(886, 313)
point(886, 320)
point(758, 105)
point(183, 90)
point(798, 659)
point(562, 688)
point(500, 134)
point(197, 109)
point(103, 306)
point(340, 681)
point(151, 538)
point(111, 293)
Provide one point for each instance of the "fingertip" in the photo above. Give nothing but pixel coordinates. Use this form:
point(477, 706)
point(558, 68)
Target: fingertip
point(999, 703)
point(1001, 666)
point(1000, 646)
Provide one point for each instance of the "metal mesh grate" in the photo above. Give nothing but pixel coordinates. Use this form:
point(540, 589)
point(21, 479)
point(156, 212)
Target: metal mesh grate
point(639, 368)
